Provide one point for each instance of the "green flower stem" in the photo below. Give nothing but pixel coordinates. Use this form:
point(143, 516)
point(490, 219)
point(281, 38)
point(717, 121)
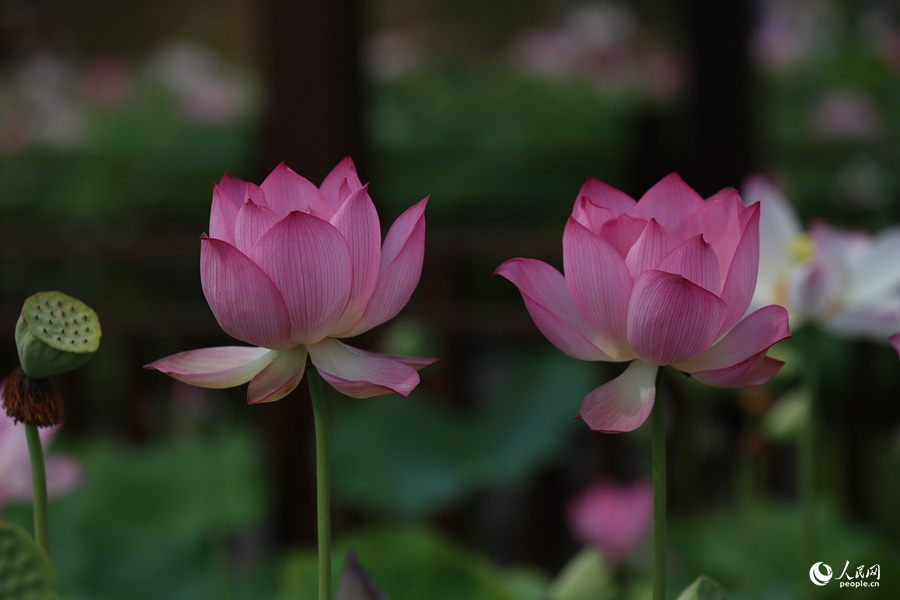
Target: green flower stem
point(323, 480)
point(807, 452)
point(39, 484)
point(659, 491)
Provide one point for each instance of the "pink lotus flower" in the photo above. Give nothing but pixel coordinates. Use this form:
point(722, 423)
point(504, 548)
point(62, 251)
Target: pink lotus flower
point(662, 281)
point(612, 517)
point(63, 471)
point(292, 269)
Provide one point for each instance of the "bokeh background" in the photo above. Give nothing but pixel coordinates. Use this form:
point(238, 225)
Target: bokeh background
point(117, 117)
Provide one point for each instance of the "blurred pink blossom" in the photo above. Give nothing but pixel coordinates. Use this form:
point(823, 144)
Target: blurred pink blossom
point(847, 115)
point(107, 82)
point(63, 472)
point(205, 89)
point(603, 43)
point(614, 518)
point(42, 104)
point(793, 32)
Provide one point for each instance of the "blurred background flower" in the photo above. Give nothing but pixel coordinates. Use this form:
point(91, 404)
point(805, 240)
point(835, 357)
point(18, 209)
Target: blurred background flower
point(612, 517)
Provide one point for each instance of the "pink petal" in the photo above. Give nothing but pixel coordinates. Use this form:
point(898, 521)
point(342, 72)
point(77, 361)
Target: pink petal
point(622, 232)
point(287, 191)
point(244, 300)
point(309, 261)
point(739, 285)
point(251, 223)
point(598, 281)
point(547, 299)
point(654, 243)
point(624, 403)
point(415, 362)
point(228, 196)
point(340, 183)
point(279, 378)
point(357, 220)
point(671, 202)
point(756, 370)
point(719, 222)
point(400, 269)
point(756, 333)
point(696, 261)
point(361, 374)
point(670, 319)
point(606, 196)
point(895, 342)
point(590, 215)
point(222, 367)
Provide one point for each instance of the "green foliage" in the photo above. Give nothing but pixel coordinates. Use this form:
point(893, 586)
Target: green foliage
point(489, 143)
point(704, 588)
point(155, 521)
point(586, 577)
point(757, 551)
point(410, 457)
point(411, 564)
point(25, 571)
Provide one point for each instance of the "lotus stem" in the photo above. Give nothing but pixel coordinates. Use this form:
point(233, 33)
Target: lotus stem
point(807, 451)
point(39, 485)
point(323, 480)
point(659, 490)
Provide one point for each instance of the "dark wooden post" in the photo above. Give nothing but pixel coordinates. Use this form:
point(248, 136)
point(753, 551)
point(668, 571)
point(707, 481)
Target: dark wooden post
point(722, 110)
point(313, 119)
point(311, 53)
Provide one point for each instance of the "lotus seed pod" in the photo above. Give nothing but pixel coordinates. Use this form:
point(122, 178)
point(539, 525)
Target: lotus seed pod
point(26, 572)
point(55, 333)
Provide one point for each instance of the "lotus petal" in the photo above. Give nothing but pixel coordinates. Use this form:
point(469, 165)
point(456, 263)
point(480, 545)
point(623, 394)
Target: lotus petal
point(756, 333)
point(279, 378)
point(719, 223)
point(251, 223)
point(599, 283)
point(696, 261)
point(754, 371)
point(654, 243)
point(245, 301)
point(287, 191)
point(602, 194)
point(741, 281)
point(221, 367)
point(399, 272)
point(340, 183)
point(357, 220)
point(309, 261)
point(361, 374)
point(671, 319)
point(590, 215)
point(623, 232)
point(624, 403)
point(547, 299)
point(671, 202)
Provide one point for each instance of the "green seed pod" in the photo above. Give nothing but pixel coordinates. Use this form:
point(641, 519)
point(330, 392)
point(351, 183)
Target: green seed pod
point(26, 572)
point(55, 333)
